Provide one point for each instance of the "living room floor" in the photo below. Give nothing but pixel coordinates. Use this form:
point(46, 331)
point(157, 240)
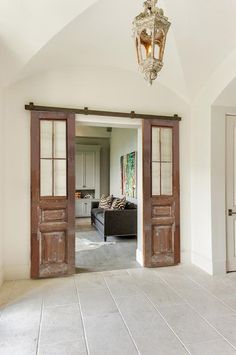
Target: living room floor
point(93, 254)
point(168, 311)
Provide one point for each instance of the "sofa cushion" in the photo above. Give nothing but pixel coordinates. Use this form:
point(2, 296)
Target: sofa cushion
point(118, 203)
point(106, 202)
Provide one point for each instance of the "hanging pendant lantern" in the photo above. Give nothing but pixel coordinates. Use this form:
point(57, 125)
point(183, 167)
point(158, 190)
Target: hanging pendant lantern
point(150, 30)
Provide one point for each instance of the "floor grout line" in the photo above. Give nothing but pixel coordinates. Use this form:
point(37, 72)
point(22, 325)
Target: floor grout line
point(155, 307)
point(40, 326)
point(121, 315)
point(193, 308)
point(82, 317)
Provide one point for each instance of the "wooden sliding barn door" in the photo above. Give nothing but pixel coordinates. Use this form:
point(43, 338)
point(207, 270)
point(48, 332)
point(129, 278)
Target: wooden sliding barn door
point(52, 194)
point(161, 192)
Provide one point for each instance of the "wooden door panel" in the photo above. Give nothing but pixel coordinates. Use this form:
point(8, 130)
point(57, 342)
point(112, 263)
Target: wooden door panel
point(161, 193)
point(53, 247)
point(161, 211)
point(53, 215)
point(52, 203)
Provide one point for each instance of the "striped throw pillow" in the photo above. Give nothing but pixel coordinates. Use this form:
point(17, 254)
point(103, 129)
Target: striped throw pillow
point(105, 202)
point(118, 203)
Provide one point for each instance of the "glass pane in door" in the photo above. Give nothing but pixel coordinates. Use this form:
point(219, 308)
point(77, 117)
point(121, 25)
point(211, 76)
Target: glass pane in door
point(166, 179)
point(46, 180)
point(156, 187)
point(53, 158)
point(166, 144)
point(162, 147)
point(46, 134)
point(59, 177)
point(60, 139)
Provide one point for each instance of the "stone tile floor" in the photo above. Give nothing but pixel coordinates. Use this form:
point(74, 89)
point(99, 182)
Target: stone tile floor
point(169, 311)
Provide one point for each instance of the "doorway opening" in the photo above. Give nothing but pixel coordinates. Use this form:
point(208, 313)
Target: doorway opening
point(53, 190)
point(106, 197)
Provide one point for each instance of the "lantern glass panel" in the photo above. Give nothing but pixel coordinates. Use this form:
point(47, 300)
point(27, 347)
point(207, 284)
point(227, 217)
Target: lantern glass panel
point(143, 52)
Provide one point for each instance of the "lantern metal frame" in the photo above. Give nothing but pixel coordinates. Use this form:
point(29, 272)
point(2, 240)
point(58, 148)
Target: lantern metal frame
point(150, 29)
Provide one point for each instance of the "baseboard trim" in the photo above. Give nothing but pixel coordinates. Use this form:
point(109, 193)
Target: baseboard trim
point(17, 272)
point(139, 257)
point(219, 267)
point(202, 262)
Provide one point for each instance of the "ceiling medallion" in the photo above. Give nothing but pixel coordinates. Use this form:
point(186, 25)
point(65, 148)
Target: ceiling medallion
point(150, 30)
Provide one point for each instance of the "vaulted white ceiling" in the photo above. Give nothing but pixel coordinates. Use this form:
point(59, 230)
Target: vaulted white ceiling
point(49, 34)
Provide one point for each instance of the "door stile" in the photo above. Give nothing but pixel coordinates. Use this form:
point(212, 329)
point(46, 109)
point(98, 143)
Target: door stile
point(35, 183)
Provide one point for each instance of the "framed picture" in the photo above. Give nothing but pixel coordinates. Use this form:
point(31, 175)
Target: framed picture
point(128, 164)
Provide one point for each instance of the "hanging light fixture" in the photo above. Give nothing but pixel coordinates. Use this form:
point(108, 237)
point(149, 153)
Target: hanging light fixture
point(150, 30)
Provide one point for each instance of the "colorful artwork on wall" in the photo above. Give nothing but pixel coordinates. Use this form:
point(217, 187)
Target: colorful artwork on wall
point(128, 164)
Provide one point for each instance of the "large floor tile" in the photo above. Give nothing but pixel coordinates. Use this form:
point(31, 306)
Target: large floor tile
point(60, 292)
point(163, 296)
point(19, 346)
point(176, 279)
point(226, 326)
point(108, 335)
point(122, 285)
point(215, 347)
point(205, 303)
point(97, 302)
point(19, 326)
point(67, 348)
point(188, 325)
point(62, 324)
point(90, 281)
point(229, 300)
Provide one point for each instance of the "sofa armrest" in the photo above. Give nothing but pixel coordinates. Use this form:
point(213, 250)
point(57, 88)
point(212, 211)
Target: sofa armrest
point(94, 204)
point(120, 222)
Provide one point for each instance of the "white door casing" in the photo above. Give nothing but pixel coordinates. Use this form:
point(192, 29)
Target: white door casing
point(231, 191)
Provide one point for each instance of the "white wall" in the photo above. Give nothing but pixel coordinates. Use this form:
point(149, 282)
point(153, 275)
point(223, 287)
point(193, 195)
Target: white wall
point(89, 131)
point(201, 233)
point(123, 141)
point(109, 89)
point(1, 190)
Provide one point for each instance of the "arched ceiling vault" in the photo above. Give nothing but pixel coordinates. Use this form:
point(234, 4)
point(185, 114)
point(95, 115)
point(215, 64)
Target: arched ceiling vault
point(26, 26)
point(48, 34)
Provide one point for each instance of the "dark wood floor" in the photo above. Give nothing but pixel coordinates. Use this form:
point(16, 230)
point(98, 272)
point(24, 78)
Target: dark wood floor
point(120, 254)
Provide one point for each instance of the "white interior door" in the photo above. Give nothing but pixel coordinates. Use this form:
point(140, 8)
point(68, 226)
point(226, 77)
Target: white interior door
point(231, 192)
